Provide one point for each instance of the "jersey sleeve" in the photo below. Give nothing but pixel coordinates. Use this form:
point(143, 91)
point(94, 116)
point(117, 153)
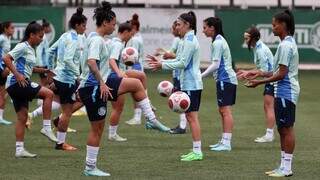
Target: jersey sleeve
point(18, 51)
point(94, 49)
point(217, 50)
point(286, 54)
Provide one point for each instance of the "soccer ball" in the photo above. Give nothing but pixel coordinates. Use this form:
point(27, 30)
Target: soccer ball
point(129, 56)
point(179, 102)
point(165, 88)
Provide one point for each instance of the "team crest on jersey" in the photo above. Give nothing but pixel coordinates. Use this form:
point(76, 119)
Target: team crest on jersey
point(34, 85)
point(102, 111)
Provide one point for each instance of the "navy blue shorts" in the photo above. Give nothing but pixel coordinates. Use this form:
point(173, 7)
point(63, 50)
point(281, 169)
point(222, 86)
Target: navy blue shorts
point(137, 66)
point(176, 84)
point(3, 80)
point(65, 91)
point(195, 99)
point(268, 90)
point(95, 106)
point(226, 93)
point(22, 95)
point(285, 112)
point(113, 82)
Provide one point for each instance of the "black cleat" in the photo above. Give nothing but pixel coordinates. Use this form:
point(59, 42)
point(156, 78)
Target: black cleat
point(177, 130)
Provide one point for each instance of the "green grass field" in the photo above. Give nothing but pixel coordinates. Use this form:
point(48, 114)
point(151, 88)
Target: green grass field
point(154, 155)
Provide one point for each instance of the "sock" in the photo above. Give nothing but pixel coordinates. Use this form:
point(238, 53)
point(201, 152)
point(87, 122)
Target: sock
point(269, 133)
point(47, 124)
point(226, 138)
point(91, 158)
point(19, 146)
point(282, 160)
point(183, 121)
point(287, 162)
point(137, 114)
point(113, 130)
point(39, 102)
point(196, 147)
point(61, 136)
point(147, 110)
point(1, 113)
point(83, 109)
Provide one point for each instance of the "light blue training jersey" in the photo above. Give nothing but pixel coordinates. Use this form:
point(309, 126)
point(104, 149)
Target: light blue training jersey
point(97, 50)
point(287, 55)
point(24, 59)
point(42, 52)
point(188, 61)
point(137, 42)
point(220, 51)
point(67, 69)
point(176, 48)
point(263, 57)
point(5, 45)
point(115, 52)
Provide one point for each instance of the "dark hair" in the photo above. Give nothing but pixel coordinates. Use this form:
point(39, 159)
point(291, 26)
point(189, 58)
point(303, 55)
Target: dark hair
point(191, 18)
point(33, 27)
point(174, 25)
point(77, 18)
point(287, 17)
point(217, 24)
point(126, 26)
point(4, 26)
point(45, 23)
point(254, 35)
point(135, 21)
point(103, 13)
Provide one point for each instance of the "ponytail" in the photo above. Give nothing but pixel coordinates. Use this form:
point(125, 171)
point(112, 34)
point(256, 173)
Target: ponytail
point(287, 18)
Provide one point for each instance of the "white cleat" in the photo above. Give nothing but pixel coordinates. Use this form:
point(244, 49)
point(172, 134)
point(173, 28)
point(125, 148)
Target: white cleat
point(264, 139)
point(117, 138)
point(134, 121)
point(25, 154)
point(49, 134)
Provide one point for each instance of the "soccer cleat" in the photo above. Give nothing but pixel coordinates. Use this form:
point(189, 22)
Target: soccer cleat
point(70, 130)
point(177, 130)
point(117, 138)
point(272, 171)
point(264, 139)
point(157, 126)
point(281, 173)
point(185, 155)
point(25, 154)
point(95, 172)
point(215, 145)
point(221, 147)
point(79, 113)
point(49, 134)
point(65, 147)
point(5, 122)
point(192, 157)
point(134, 121)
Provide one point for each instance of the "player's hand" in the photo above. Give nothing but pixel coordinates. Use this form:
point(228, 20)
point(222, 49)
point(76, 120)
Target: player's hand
point(159, 51)
point(154, 62)
point(168, 55)
point(241, 74)
point(251, 75)
point(105, 92)
point(252, 83)
point(122, 74)
point(21, 80)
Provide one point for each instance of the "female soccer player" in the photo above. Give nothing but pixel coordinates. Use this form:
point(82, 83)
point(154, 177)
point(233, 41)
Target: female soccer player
point(190, 78)
point(287, 88)
point(94, 89)
point(263, 60)
point(21, 61)
point(67, 72)
point(6, 32)
point(226, 80)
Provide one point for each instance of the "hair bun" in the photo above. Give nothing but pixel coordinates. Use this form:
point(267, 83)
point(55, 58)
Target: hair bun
point(135, 17)
point(79, 11)
point(106, 5)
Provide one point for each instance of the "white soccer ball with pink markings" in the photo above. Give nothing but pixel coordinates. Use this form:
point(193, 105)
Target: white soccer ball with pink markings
point(165, 88)
point(129, 56)
point(179, 102)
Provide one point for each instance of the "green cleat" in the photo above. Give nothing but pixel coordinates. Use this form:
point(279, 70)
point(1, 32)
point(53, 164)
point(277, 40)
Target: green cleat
point(192, 157)
point(5, 122)
point(157, 126)
point(281, 173)
point(95, 172)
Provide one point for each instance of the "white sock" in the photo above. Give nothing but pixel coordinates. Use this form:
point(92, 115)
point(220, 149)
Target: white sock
point(147, 110)
point(47, 125)
point(113, 130)
point(269, 133)
point(287, 162)
point(83, 109)
point(19, 146)
point(39, 102)
point(137, 114)
point(1, 113)
point(196, 147)
point(91, 158)
point(61, 136)
point(226, 138)
point(282, 160)
point(183, 121)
